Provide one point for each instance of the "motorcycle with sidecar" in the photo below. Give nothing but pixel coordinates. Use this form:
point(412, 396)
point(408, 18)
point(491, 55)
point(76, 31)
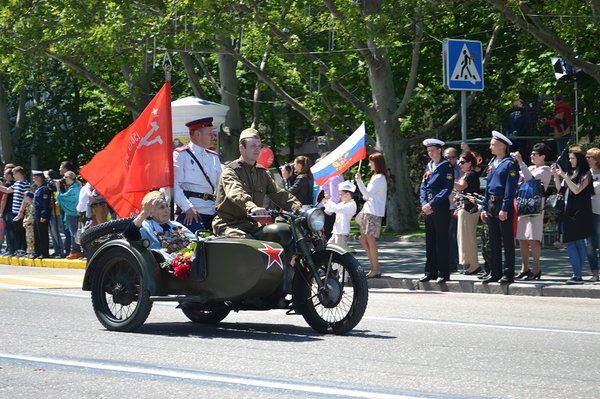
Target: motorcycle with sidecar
point(286, 266)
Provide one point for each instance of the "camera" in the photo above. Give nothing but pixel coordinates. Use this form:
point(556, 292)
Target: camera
point(287, 167)
point(62, 185)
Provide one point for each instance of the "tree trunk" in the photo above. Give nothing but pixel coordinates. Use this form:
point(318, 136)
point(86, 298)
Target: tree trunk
point(229, 137)
point(400, 207)
point(6, 148)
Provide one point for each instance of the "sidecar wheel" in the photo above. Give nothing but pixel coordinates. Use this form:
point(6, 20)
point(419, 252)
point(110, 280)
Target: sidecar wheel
point(119, 295)
point(205, 316)
point(342, 305)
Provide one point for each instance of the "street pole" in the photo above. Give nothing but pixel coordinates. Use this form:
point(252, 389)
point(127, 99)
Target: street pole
point(576, 111)
point(463, 115)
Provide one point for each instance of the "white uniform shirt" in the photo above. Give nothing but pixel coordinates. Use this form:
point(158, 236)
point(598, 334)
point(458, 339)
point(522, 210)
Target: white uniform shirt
point(189, 177)
point(344, 212)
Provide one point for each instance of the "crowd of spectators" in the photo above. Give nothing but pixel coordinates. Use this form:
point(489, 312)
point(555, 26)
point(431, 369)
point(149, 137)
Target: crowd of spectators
point(48, 210)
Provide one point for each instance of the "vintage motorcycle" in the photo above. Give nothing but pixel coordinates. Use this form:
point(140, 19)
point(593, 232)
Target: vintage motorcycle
point(287, 266)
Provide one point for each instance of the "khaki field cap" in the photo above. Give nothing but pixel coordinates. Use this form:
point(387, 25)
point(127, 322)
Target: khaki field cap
point(153, 195)
point(249, 134)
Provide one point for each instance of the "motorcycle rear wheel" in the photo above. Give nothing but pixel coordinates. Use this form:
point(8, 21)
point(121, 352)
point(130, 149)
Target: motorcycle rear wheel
point(205, 316)
point(341, 307)
point(119, 295)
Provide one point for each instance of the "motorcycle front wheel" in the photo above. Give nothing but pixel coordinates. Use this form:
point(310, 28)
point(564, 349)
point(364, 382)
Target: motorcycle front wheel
point(340, 306)
point(119, 295)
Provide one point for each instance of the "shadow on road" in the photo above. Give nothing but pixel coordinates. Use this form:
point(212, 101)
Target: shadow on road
point(255, 331)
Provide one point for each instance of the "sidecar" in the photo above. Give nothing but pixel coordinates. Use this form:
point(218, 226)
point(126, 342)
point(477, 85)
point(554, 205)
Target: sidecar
point(125, 278)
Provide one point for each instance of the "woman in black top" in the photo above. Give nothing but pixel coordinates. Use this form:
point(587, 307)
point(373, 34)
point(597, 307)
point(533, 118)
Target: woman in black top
point(577, 225)
point(302, 185)
point(468, 214)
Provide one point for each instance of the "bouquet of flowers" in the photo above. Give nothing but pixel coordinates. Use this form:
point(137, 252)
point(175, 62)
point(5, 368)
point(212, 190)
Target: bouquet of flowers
point(181, 264)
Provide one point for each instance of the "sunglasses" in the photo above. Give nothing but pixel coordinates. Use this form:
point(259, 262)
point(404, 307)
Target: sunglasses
point(588, 157)
point(449, 157)
point(534, 154)
point(462, 162)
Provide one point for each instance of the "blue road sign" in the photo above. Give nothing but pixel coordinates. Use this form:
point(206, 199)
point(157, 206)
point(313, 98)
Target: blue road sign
point(463, 65)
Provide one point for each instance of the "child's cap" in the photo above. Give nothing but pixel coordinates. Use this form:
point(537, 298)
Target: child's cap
point(347, 186)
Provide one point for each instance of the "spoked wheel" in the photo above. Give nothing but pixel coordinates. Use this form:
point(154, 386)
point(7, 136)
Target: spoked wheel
point(119, 295)
point(205, 316)
point(340, 306)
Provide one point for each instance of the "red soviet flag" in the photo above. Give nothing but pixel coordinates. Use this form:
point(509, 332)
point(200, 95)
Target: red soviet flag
point(137, 160)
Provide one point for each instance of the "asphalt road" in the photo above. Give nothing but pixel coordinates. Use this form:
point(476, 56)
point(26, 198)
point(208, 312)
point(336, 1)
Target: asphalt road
point(409, 344)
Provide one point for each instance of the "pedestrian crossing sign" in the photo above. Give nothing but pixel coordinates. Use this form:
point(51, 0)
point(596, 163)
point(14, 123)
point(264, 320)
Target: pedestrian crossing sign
point(463, 65)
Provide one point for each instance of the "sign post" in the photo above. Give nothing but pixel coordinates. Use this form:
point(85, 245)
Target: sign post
point(463, 71)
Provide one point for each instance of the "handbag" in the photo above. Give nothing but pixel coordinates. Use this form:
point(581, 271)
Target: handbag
point(529, 198)
point(78, 233)
point(555, 203)
point(358, 217)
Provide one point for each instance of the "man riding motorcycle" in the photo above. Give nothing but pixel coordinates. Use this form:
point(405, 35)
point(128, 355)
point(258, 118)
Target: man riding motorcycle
point(242, 190)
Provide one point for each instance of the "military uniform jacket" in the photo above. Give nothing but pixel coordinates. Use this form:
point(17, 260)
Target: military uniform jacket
point(503, 176)
point(437, 184)
point(189, 177)
point(41, 201)
point(243, 187)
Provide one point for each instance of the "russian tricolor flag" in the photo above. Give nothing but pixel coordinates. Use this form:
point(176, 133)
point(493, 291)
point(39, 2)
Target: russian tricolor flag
point(350, 152)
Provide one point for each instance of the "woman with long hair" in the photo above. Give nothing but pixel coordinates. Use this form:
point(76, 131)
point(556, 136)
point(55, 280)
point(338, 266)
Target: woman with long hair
point(593, 160)
point(530, 228)
point(468, 214)
point(302, 185)
point(578, 190)
point(375, 196)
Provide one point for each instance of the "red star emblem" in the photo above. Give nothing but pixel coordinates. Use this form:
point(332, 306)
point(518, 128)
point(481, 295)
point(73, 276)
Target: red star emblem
point(274, 255)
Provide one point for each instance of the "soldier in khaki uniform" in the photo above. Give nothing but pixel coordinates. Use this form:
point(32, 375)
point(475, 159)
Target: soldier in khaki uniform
point(242, 190)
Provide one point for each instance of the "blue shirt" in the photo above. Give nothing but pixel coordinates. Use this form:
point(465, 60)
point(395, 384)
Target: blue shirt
point(437, 183)
point(146, 231)
point(503, 176)
point(518, 122)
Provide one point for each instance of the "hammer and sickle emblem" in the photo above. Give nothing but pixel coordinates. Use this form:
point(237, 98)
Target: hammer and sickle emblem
point(144, 140)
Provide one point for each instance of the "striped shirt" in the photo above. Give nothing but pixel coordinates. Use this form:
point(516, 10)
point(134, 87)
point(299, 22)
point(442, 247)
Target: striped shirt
point(19, 188)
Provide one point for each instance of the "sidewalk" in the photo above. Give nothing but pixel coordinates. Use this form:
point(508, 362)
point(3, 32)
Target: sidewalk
point(402, 261)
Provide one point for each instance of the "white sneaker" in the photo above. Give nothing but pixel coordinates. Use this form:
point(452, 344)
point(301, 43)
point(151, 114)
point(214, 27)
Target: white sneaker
point(593, 278)
point(559, 245)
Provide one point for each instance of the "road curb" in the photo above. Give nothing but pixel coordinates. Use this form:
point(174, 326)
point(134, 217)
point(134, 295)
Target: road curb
point(470, 287)
point(51, 263)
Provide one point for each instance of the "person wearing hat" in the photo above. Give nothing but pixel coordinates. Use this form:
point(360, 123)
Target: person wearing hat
point(344, 210)
point(242, 190)
point(154, 225)
point(197, 170)
point(41, 217)
point(436, 186)
point(18, 189)
point(498, 211)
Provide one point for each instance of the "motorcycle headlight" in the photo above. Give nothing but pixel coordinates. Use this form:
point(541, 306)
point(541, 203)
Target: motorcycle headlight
point(315, 218)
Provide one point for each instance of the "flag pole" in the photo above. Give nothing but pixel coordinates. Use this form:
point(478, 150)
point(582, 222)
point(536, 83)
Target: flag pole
point(168, 67)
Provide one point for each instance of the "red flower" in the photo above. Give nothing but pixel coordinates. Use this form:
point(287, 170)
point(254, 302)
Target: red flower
point(182, 271)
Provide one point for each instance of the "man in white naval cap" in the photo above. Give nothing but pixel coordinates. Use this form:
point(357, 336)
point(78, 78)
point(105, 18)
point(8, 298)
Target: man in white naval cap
point(436, 186)
point(197, 171)
point(498, 211)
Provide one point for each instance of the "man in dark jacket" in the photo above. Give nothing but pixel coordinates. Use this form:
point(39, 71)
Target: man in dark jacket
point(41, 217)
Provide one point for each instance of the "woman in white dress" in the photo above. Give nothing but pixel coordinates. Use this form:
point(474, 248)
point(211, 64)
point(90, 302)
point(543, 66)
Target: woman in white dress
point(530, 229)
